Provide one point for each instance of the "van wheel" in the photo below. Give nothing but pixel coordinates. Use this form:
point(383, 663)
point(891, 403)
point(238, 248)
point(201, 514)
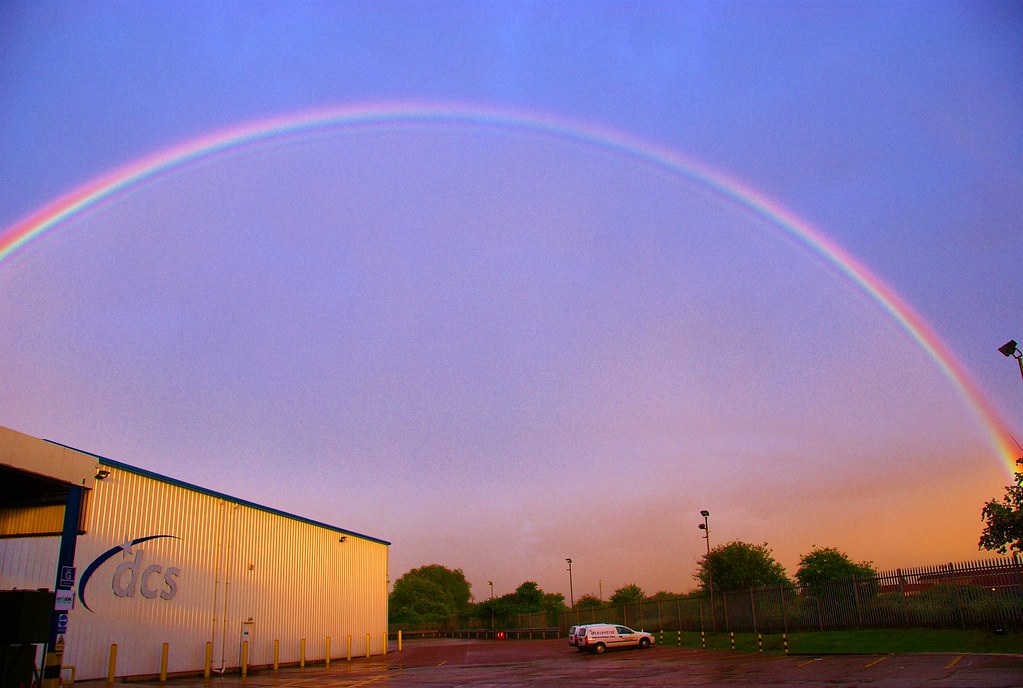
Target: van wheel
point(599, 648)
point(644, 643)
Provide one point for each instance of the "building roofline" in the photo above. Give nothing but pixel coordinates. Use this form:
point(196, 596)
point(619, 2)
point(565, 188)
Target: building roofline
point(213, 493)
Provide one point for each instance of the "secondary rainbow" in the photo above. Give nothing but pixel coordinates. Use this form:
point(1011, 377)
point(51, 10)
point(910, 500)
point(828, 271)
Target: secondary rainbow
point(236, 138)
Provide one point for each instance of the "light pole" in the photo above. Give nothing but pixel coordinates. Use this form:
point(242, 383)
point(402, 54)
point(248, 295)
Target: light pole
point(571, 592)
point(491, 584)
point(705, 527)
point(1010, 348)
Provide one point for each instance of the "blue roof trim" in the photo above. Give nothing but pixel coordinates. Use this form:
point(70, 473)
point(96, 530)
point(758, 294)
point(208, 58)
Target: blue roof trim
point(213, 493)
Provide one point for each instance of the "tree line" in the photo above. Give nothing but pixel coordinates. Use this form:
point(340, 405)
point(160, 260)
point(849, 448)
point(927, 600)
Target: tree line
point(435, 593)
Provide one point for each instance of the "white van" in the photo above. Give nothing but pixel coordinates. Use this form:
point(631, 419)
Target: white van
point(600, 637)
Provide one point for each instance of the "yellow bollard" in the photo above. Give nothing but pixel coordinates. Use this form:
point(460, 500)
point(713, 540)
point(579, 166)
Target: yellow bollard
point(399, 641)
point(163, 661)
point(703, 639)
point(301, 654)
point(277, 653)
point(349, 647)
point(733, 640)
point(245, 658)
point(367, 645)
point(112, 666)
point(208, 662)
point(760, 642)
point(51, 668)
point(785, 640)
point(385, 642)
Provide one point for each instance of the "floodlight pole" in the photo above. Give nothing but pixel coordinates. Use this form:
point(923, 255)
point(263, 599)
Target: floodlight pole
point(705, 527)
point(571, 592)
point(1010, 348)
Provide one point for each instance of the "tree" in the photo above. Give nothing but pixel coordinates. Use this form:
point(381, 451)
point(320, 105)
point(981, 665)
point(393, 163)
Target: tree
point(829, 565)
point(628, 595)
point(429, 593)
point(528, 598)
point(739, 565)
point(1004, 519)
point(588, 602)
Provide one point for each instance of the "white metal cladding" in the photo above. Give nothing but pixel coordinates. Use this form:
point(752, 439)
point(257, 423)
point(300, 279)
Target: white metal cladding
point(28, 563)
point(164, 563)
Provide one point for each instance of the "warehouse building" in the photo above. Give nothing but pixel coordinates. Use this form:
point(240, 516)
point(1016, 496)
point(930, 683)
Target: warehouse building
point(180, 577)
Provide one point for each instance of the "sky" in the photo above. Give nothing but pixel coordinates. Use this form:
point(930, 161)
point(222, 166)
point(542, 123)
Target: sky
point(505, 283)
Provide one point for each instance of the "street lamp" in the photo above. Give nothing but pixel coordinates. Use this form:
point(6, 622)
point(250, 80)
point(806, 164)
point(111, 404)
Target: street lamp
point(571, 592)
point(1011, 349)
point(491, 584)
point(705, 527)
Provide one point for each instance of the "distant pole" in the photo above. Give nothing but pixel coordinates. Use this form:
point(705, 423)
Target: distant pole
point(571, 592)
point(1010, 348)
point(491, 584)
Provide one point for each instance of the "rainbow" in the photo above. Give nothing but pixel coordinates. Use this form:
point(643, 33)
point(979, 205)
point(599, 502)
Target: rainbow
point(252, 133)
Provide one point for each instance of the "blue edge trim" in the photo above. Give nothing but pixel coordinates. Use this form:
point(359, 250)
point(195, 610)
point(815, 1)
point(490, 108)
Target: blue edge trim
point(213, 493)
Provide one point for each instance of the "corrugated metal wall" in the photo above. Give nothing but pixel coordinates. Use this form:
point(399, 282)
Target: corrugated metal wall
point(208, 570)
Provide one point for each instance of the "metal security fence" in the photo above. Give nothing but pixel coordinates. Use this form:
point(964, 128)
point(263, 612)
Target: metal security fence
point(984, 594)
point(978, 594)
point(981, 594)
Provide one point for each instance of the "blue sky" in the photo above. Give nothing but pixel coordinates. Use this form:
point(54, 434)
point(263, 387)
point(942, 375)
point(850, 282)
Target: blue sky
point(462, 337)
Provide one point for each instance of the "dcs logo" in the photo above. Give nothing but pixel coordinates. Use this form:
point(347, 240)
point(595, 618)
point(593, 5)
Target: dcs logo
point(132, 574)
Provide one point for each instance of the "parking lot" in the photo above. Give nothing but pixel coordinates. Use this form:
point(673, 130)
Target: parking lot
point(553, 663)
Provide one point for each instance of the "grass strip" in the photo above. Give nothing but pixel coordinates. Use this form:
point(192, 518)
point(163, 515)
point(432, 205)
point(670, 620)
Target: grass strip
point(873, 641)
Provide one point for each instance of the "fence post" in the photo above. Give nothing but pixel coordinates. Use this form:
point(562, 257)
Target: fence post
point(856, 602)
point(724, 602)
point(955, 591)
point(902, 593)
point(784, 611)
point(753, 608)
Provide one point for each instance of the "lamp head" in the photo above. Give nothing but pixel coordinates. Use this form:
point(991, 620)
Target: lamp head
point(703, 526)
point(1009, 348)
point(705, 513)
